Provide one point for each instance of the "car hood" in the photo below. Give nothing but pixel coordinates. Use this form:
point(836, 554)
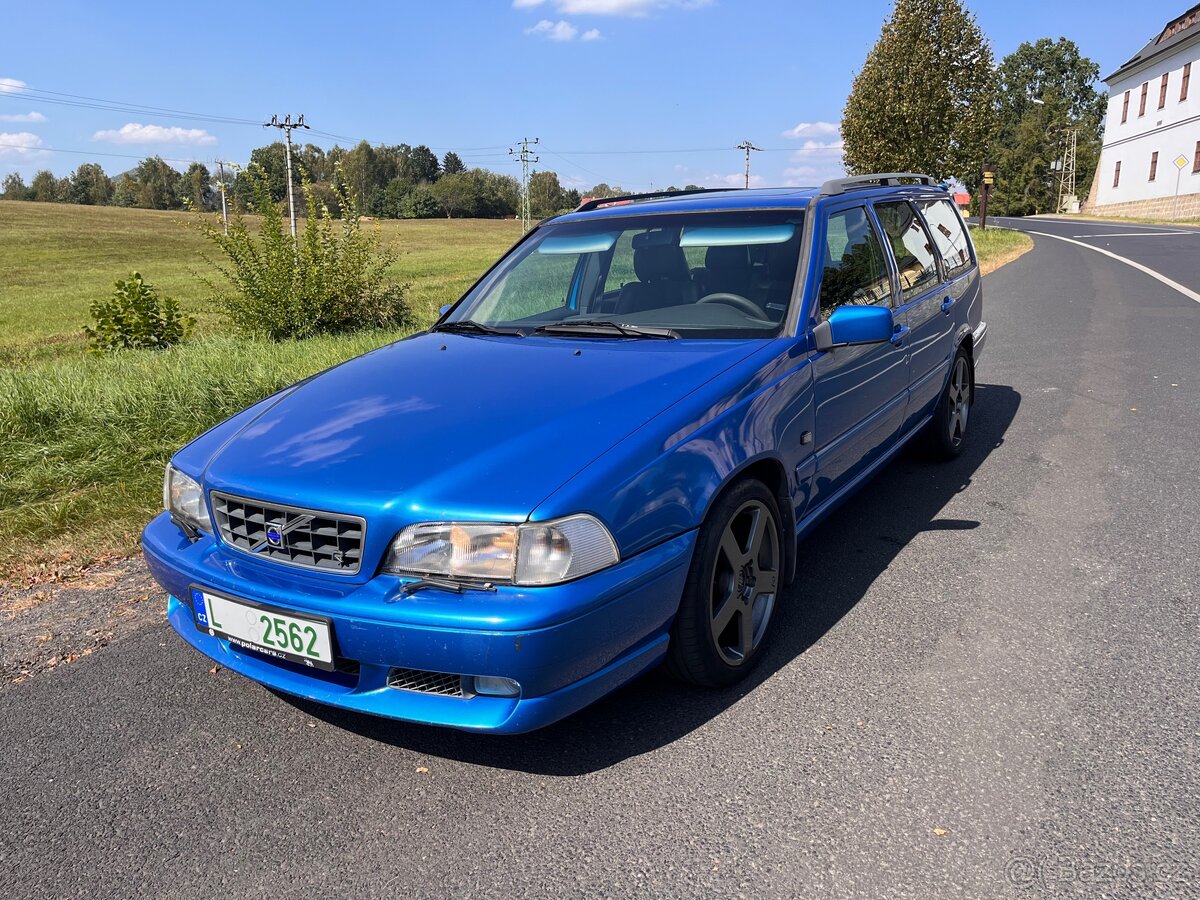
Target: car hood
point(444, 426)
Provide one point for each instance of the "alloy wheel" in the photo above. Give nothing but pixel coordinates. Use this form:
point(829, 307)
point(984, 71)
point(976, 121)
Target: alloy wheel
point(745, 581)
point(960, 400)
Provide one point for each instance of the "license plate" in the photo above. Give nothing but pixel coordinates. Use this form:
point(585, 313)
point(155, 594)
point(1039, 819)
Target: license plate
point(296, 637)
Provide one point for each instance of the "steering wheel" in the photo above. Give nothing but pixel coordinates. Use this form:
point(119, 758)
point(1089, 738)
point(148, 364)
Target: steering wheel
point(749, 307)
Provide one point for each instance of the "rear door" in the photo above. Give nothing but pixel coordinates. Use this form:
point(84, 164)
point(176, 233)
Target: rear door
point(861, 392)
point(922, 299)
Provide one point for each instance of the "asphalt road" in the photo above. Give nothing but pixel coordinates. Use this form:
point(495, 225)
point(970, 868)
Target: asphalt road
point(984, 685)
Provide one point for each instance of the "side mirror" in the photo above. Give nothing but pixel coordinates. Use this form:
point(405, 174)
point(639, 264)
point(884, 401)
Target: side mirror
point(854, 325)
point(442, 310)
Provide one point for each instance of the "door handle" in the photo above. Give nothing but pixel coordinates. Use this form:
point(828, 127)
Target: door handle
point(947, 304)
point(897, 337)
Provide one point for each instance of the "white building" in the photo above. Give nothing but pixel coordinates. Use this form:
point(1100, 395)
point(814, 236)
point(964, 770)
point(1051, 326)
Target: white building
point(1153, 125)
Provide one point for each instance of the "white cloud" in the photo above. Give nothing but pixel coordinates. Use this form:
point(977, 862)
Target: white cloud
point(23, 117)
point(738, 179)
point(624, 7)
point(11, 86)
point(20, 145)
point(818, 147)
point(612, 7)
point(812, 129)
point(592, 34)
point(554, 31)
point(135, 133)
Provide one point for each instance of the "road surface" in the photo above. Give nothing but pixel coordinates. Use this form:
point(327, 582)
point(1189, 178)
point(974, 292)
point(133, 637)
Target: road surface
point(984, 684)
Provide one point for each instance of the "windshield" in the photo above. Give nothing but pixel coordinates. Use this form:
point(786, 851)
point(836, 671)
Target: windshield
point(710, 275)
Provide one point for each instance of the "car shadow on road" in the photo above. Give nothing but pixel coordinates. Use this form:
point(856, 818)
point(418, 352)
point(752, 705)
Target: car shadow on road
point(840, 560)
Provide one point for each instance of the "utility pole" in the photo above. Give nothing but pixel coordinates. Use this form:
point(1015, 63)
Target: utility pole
point(221, 186)
point(747, 146)
point(286, 127)
point(526, 157)
point(1066, 177)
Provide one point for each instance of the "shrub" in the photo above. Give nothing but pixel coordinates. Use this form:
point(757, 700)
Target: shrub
point(330, 280)
point(136, 318)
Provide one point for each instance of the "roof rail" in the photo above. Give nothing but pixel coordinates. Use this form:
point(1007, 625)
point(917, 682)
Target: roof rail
point(879, 179)
point(597, 202)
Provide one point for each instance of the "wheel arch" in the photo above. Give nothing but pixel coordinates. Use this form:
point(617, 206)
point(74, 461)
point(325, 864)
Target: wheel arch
point(770, 471)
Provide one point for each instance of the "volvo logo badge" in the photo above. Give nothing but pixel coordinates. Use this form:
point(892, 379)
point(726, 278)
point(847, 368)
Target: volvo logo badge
point(274, 535)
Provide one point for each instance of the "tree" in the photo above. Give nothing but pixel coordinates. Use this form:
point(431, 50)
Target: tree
point(44, 187)
point(420, 164)
point(271, 161)
point(90, 186)
point(455, 193)
point(545, 194)
point(195, 185)
point(452, 164)
point(14, 187)
point(1028, 146)
point(603, 190)
point(924, 100)
point(157, 184)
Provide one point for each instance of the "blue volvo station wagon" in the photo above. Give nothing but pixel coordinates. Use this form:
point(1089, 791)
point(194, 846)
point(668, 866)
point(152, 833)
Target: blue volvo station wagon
point(600, 459)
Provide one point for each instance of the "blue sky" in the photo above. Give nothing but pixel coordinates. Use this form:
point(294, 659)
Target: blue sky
point(639, 93)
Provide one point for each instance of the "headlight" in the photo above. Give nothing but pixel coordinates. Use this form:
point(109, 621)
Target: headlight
point(184, 498)
point(536, 553)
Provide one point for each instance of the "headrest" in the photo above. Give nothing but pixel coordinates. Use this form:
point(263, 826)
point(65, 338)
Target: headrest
point(657, 256)
point(733, 259)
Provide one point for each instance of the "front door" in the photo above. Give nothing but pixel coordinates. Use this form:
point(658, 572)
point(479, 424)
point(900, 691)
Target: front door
point(861, 392)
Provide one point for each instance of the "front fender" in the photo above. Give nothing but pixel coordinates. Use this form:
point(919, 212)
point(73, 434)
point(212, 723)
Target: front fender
point(660, 481)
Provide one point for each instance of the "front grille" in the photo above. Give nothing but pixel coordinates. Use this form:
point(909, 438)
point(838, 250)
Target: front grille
point(427, 682)
point(307, 538)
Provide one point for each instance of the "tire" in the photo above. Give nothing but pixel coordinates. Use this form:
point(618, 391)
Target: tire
point(946, 433)
point(729, 599)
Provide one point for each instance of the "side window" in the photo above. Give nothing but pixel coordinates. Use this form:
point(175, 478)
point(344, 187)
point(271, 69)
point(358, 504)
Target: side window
point(855, 271)
point(620, 269)
point(912, 247)
point(949, 235)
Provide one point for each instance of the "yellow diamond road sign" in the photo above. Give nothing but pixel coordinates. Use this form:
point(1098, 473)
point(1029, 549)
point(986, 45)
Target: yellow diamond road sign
point(1181, 161)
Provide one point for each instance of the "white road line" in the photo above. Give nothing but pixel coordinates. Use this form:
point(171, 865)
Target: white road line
point(1174, 285)
point(1135, 234)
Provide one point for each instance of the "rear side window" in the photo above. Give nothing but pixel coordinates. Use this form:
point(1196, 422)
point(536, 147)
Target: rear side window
point(949, 235)
point(855, 272)
point(912, 247)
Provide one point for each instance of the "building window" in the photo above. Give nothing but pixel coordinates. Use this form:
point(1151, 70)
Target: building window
point(1145, 92)
point(1196, 161)
point(1125, 109)
point(1162, 90)
point(1187, 76)
point(1117, 174)
point(1153, 165)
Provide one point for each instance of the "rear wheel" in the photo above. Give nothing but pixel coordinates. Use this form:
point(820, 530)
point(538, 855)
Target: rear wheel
point(946, 433)
point(729, 600)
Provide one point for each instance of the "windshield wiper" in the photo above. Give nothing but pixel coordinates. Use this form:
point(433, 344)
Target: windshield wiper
point(607, 326)
point(470, 326)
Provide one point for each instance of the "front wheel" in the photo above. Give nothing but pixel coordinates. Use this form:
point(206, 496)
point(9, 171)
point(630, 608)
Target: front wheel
point(947, 431)
point(729, 600)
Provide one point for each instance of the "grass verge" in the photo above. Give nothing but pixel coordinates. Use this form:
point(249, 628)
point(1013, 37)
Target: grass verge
point(996, 247)
point(83, 441)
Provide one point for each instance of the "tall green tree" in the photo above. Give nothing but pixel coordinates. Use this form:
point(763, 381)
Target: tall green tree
point(546, 195)
point(91, 186)
point(455, 194)
point(452, 164)
point(1047, 89)
point(44, 187)
point(14, 187)
point(196, 186)
point(157, 184)
point(924, 100)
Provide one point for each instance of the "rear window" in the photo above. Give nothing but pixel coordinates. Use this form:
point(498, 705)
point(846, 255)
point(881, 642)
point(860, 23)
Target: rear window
point(948, 234)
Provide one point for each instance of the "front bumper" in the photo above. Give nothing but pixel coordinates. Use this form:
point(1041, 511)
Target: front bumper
point(566, 645)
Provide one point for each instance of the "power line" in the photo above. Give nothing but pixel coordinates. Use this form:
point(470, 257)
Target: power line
point(526, 158)
point(286, 126)
point(747, 146)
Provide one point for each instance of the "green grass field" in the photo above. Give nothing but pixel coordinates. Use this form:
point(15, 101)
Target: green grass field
point(83, 439)
point(57, 258)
